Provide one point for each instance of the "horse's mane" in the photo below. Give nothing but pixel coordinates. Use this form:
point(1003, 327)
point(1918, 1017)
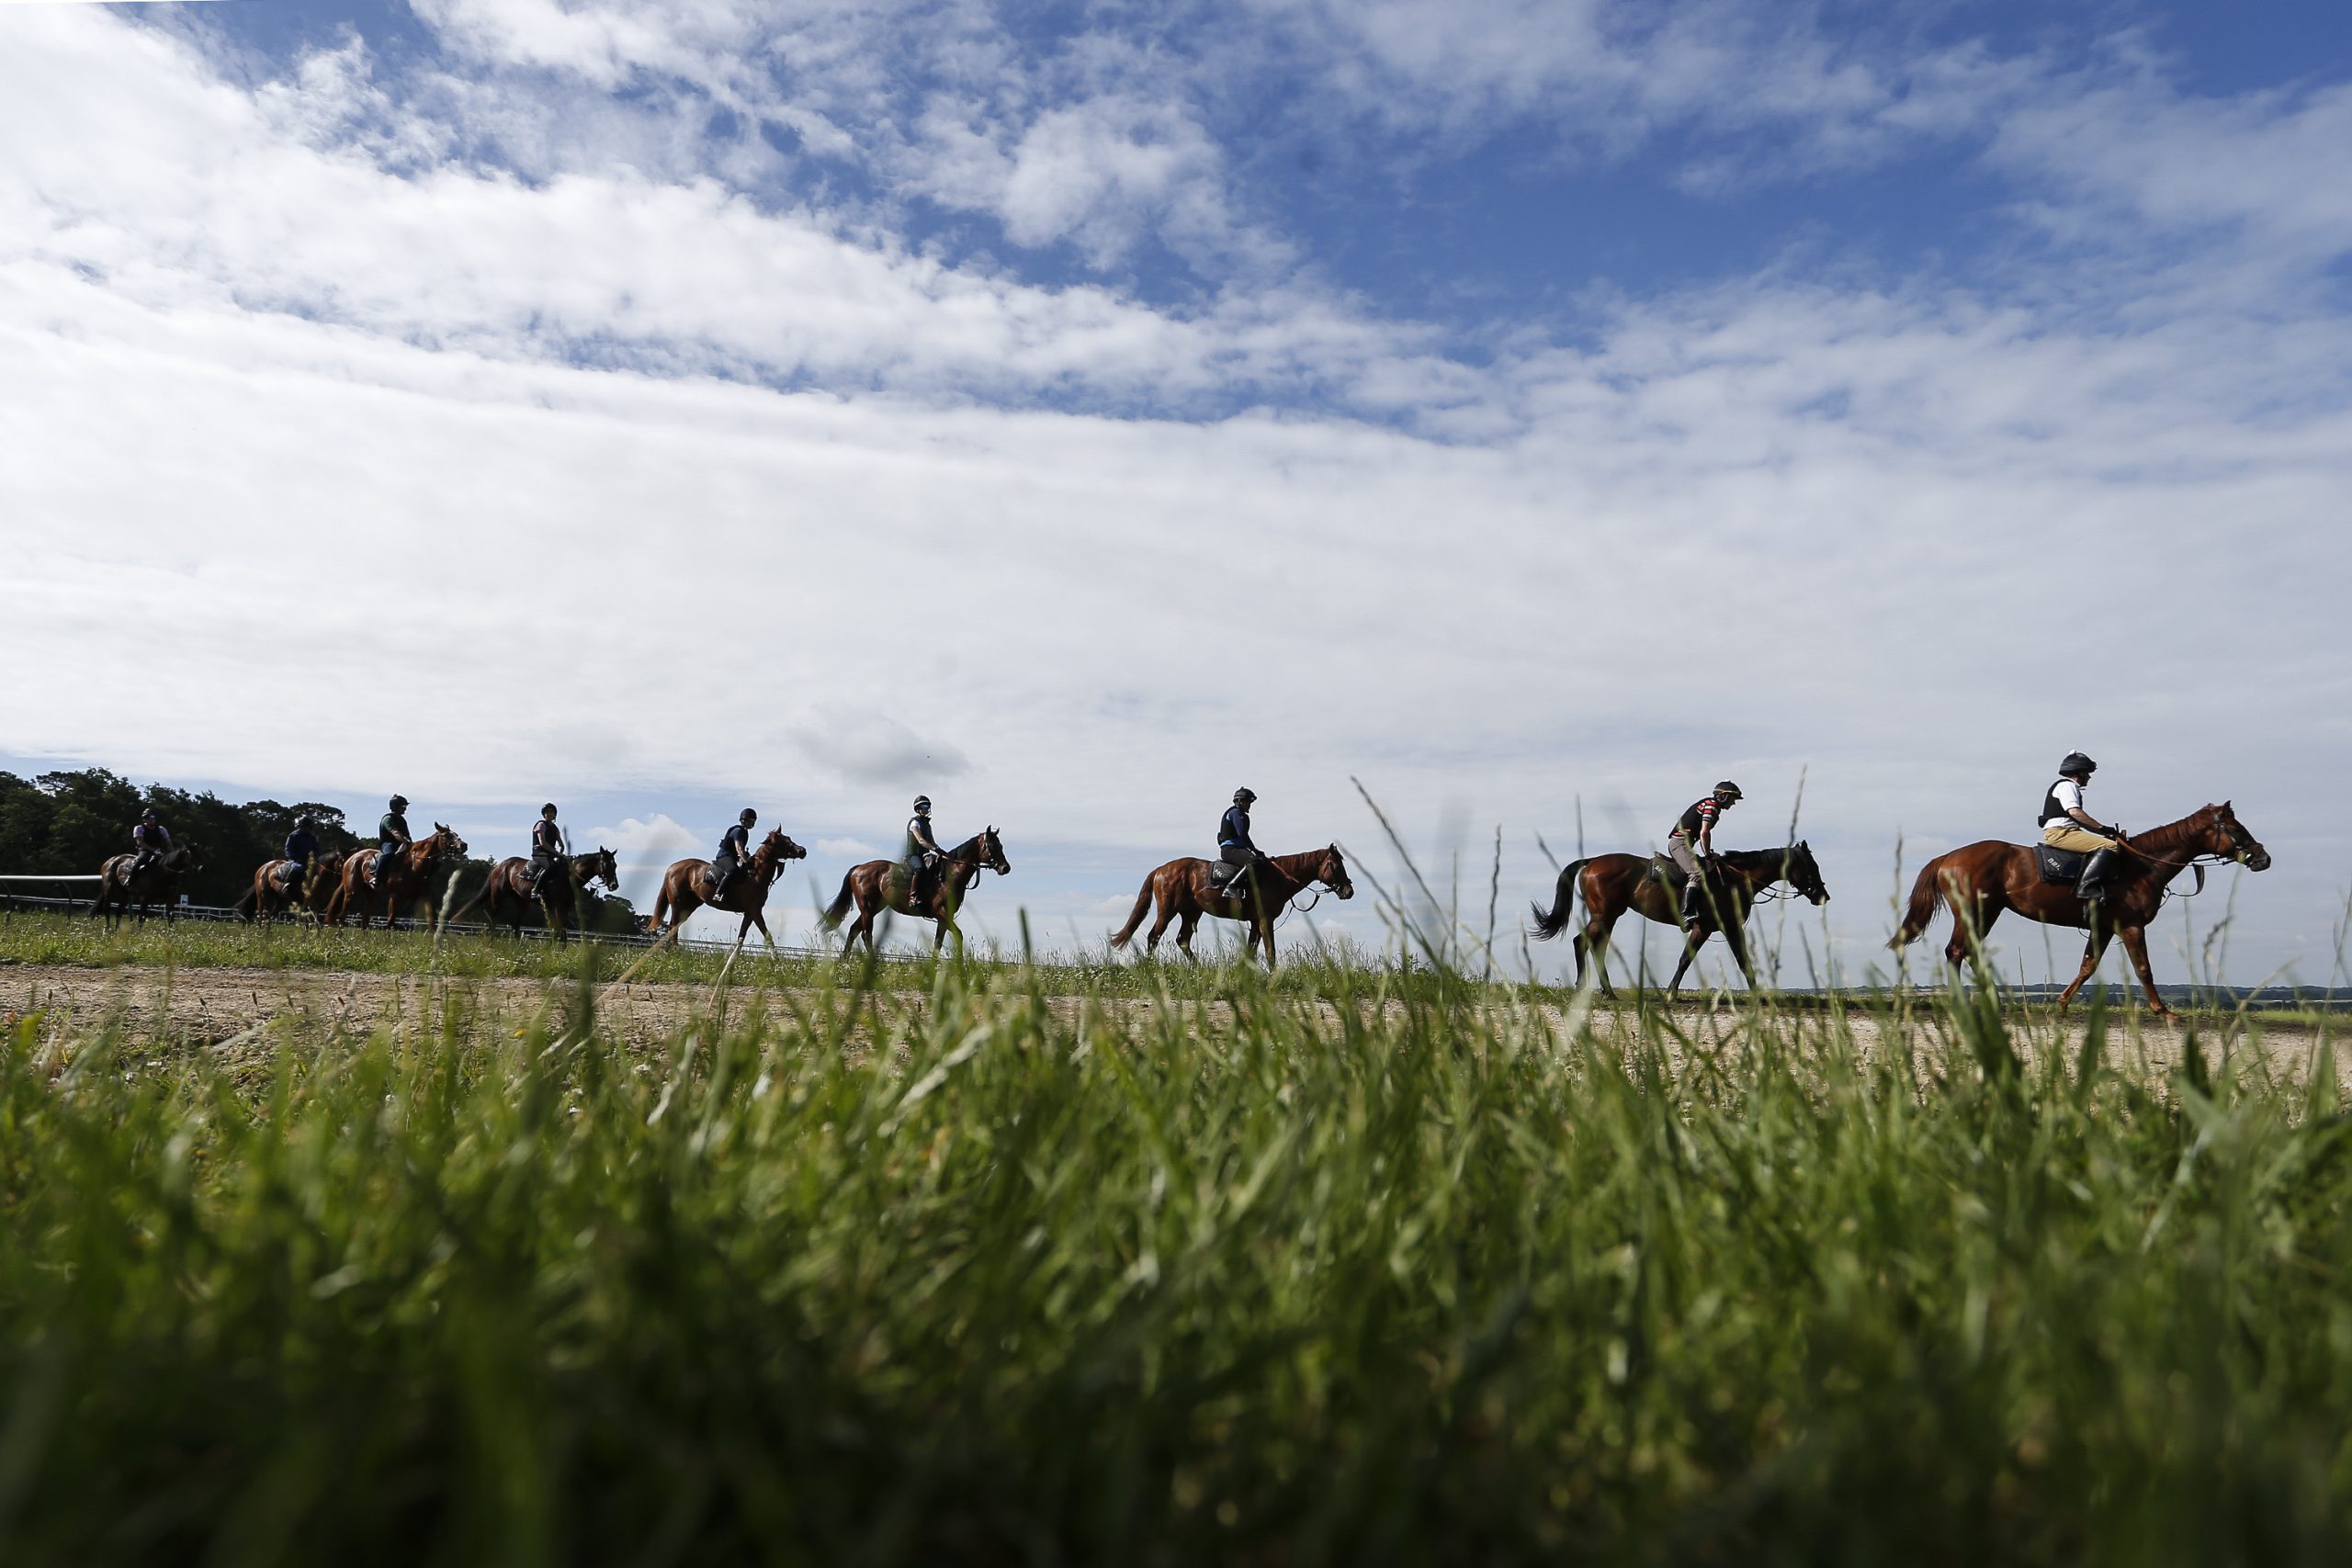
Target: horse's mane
point(2174, 834)
point(1760, 857)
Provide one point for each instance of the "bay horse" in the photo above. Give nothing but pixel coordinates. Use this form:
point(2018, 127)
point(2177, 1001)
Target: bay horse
point(686, 887)
point(880, 885)
point(1981, 880)
point(269, 896)
point(507, 895)
point(156, 883)
point(1614, 883)
point(406, 880)
point(1185, 893)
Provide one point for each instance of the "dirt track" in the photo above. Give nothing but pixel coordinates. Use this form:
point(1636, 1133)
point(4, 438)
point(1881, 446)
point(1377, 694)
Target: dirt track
point(227, 1012)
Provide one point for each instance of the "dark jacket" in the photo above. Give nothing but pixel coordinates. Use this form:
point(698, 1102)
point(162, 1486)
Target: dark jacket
point(1233, 828)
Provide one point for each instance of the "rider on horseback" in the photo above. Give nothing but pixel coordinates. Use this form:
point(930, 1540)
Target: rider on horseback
point(547, 847)
point(1234, 846)
point(923, 854)
point(1692, 841)
point(734, 849)
point(391, 837)
point(302, 850)
point(151, 840)
point(2066, 826)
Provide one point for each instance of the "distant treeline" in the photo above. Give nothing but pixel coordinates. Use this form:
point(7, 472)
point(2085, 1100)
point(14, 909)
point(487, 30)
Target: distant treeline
point(67, 823)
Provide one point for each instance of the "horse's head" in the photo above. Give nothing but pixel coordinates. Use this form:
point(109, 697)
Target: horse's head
point(443, 841)
point(991, 851)
point(2226, 836)
point(181, 858)
point(773, 851)
point(600, 864)
point(1332, 870)
point(1797, 866)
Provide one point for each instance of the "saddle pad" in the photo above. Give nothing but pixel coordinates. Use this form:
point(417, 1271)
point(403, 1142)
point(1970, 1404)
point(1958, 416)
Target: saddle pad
point(1221, 872)
point(2059, 865)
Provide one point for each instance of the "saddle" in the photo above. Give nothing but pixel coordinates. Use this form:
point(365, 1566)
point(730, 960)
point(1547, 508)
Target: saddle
point(1222, 873)
point(1665, 873)
point(2059, 866)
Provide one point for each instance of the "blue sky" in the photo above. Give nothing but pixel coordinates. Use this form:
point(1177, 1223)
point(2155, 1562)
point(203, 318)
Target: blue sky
point(1076, 410)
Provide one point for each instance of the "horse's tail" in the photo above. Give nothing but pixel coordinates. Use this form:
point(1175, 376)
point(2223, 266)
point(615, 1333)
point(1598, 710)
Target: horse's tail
point(838, 910)
point(1551, 922)
point(487, 897)
point(247, 904)
point(660, 907)
point(1926, 894)
point(1126, 933)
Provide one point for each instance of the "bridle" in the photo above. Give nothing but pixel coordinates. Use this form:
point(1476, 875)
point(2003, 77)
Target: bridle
point(2239, 848)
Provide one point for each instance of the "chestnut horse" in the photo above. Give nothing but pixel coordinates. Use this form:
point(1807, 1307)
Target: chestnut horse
point(269, 896)
point(1614, 883)
point(686, 886)
point(1982, 879)
point(1185, 894)
point(507, 895)
point(158, 882)
point(406, 880)
point(880, 885)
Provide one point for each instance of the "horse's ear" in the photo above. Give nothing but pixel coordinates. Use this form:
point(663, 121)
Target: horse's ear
point(2226, 806)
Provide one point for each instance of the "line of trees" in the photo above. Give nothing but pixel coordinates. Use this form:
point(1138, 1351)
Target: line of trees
point(66, 823)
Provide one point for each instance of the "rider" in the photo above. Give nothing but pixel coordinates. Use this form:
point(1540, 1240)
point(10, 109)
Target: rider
point(734, 849)
point(1233, 845)
point(151, 840)
point(302, 850)
point(391, 836)
point(547, 846)
point(2066, 826)
point(922, 853)
point(1692, 841)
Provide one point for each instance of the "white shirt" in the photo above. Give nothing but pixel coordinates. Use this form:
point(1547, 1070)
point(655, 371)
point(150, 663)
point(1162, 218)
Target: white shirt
point(2069, 795)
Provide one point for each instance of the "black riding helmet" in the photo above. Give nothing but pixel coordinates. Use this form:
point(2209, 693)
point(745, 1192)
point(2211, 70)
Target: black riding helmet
point(1244, 796)
point(400, 803)
point(749, 817)
point(923, 804)
point(1728, 791)
point(149, 815)
point(2077, 762)
point(306, 823)
point(549, 810)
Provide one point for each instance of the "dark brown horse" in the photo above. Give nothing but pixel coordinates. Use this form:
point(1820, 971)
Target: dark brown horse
point(880, 885)
point(1982, 879)
point(1614, 883)
point(1185, 893)
point(271, 895)
point(507, 895)
point(686, 886)
point(407, 879)
point(157, 883)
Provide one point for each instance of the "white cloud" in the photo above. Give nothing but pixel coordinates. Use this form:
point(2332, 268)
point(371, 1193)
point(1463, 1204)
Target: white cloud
point(291, 422)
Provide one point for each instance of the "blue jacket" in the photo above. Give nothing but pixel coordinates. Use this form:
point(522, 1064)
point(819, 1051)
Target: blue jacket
point(735, 843)
point(301, 848)
point(1233, 828)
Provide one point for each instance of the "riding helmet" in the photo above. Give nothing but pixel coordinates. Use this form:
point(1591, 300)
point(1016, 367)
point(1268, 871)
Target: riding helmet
point(148, 814)
point(1729, 790)
point(922, 803)
point(305, 823)
point(1244, 796)
point(2077, 762)
point(549, 810)
point(400, 803)
point(749, 817)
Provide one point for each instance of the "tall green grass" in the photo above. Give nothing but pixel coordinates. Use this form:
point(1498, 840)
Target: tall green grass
point(1272, 1280)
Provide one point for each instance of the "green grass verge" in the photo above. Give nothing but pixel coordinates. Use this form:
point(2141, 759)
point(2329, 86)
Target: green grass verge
point(1422, 1284)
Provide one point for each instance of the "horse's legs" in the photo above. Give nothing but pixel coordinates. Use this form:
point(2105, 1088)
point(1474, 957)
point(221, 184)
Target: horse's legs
point(1189, 922)
point(1692, 941)
point(759, 918)
point(1970, 918)
point(1594, 939)
point(1159, 923)
point(1266, 930)
point(2093, 950)
point(1736, 937)
point(2135, 943)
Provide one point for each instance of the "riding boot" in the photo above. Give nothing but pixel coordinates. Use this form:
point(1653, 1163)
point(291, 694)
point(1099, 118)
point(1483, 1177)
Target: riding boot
point(2091, 886)
point(720, 882)
point(1693, 891)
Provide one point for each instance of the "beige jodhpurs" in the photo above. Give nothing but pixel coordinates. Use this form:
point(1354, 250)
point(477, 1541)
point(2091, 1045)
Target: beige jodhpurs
point(2070, 836)
point(1679, 848)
